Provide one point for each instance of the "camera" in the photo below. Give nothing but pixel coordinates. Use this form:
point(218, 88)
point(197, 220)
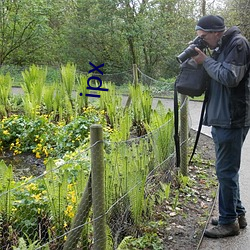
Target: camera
point(190, 51)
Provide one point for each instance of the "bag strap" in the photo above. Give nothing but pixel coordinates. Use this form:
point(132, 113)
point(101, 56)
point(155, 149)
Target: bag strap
point(176, 126)
point(199, 127)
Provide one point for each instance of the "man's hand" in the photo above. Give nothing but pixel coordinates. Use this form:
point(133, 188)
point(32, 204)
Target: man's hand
point(200, 58)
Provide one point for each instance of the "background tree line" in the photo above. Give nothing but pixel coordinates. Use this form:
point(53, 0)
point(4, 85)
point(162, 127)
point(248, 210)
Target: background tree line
point(119, 33)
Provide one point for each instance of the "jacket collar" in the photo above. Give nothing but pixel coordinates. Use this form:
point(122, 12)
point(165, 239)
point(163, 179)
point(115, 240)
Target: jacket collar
point(231, 32)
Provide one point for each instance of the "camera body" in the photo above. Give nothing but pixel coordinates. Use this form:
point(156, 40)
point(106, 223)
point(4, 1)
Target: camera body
point(190, 51)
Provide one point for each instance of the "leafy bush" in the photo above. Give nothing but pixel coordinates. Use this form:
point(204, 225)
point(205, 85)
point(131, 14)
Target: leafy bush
point(43, 137)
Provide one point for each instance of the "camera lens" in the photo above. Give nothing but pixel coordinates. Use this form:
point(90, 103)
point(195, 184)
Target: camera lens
point(190, 51)
point(187, 53)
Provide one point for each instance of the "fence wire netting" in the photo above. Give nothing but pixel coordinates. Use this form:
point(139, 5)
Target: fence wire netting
point(53, 209)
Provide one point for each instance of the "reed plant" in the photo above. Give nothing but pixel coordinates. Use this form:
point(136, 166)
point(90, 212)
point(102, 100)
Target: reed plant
point(6, 184)
point(62, 106)
point(34, 80)
point(122, 130)
point(141, 106)
point(81, 100)
point(48, 98)
point(161, 132)
point(64, 184)
point(5, 90)
point(68, 74)
point(113, 108)
point(56, 186)
point(126, 172)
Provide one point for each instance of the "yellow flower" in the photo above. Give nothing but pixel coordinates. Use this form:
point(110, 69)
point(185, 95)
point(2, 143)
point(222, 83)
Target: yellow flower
point(69, 211)
point(38, 155)
point(73, 199)
point(6, 132)
point(31, 187)
point(14, 209)
point(37, 196)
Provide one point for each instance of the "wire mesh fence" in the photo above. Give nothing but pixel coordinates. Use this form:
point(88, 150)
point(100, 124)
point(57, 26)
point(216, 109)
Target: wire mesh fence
point(55, 210)
point(46, 210)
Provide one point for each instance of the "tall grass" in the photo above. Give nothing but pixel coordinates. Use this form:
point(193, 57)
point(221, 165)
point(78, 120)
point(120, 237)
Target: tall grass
point(68, 74)
point(114, 107)
point(141, 105)
point(161, 128)
point(6, 184)
point(5, 90)
point(33, 86)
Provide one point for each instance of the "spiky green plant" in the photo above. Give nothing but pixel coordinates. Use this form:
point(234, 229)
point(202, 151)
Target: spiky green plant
point(33, 86)
point(68, 74)
point(6, 184)
point(56, 185)
point(49, 97)
point(62, 106)
point(161, 129)
point(5, 89)
point(82, 100)
point(113, 108)
point(126, 171)
point(141, 106)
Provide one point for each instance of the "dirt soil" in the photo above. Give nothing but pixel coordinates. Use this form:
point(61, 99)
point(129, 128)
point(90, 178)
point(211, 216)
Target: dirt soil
point(186, 223)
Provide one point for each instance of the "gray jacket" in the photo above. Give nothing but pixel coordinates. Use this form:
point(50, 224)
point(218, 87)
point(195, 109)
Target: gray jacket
point(228, 103)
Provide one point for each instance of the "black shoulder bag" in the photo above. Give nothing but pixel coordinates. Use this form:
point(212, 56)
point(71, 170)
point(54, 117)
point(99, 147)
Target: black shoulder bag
point(191, 81)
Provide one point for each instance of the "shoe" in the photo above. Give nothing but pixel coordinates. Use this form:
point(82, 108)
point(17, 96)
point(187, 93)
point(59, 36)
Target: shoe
point(221, 231)
point(241, 219)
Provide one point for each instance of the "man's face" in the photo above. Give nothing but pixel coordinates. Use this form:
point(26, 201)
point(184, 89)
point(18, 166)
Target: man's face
point(211, 38)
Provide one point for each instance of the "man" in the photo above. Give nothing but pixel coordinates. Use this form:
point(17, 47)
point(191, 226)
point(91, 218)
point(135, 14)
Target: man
point(228, 112)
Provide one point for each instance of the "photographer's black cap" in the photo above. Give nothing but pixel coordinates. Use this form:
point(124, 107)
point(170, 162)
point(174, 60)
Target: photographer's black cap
point(210, 23)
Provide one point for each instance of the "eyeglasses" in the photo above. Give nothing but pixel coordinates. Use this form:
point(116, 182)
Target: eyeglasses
point(203, 36)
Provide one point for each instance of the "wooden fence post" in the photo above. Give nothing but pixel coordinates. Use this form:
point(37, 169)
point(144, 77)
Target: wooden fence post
point(135, 74)
point(98, 195)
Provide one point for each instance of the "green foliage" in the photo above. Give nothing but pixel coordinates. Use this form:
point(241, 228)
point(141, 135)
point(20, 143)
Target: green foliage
point(30, 245)
point(33, 85)
point(82, 101)
point(6, 184)
point(48, 98)
point(147, 241)
point(146, 33)
point(141, 104)
point(164, 192)
point(68, 73)
point(43, 137)
point(128, 161)
point(57, 188)
point(30, 206)
point(5, 89)
point(114, 108)
point(161, 126)
point(126, 172)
